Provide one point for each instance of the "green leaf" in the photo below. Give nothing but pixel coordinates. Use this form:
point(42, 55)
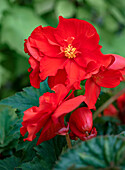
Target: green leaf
point(47, 153)
point(35, 164)
point(9, 163)
point(99, 152)
point(108, 126)
point(27, 98)
point(17, 25)
point(8, 130)
point(65, 8)
point(42, 6)
point(25, 150)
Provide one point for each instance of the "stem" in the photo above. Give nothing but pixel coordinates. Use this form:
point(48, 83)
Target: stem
point(68, 141)
point(108, 102)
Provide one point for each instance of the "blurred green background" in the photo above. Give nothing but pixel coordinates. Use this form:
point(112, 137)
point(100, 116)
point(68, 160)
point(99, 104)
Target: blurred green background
point(18, 18)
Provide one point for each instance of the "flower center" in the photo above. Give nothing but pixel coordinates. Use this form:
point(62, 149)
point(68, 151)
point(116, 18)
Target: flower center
point(70, 52)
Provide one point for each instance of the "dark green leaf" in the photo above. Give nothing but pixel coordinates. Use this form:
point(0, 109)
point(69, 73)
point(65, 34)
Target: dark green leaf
point(8, 130)
point(108, 126)
point(99, 152)
point(9, 163)
point(47, 153)
point(35, 164)
point(25, 150)
point(27, 98)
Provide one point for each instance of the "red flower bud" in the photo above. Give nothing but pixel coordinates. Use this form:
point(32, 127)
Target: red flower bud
point(81, 123)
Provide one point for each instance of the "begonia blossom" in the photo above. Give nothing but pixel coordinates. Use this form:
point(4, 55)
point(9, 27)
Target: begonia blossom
point(72, 47)
point(49, 116)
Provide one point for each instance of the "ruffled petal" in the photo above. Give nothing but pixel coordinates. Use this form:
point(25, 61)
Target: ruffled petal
point(59, 78)
point(75, 72)
point(42, 42)
point(119, 62)
point(92, 91)
point(68, 106)
point(61, 92)
point(96, 56)
point(50, 66)
point(34, 75)
point(108, 78)
point(73, 28)
point(49, 131)
point(31, 50)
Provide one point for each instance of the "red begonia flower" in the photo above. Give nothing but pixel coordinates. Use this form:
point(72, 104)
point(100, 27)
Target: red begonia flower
point(104, 78)
point(49, 116)
point(73, 46)
point(81, 123)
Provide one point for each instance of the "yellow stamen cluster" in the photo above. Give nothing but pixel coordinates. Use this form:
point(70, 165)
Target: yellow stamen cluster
point(70, 52)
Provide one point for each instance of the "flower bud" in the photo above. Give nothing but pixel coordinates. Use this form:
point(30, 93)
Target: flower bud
point(81, 123)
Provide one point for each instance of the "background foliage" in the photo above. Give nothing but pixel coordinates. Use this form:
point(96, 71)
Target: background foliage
point(18, 18)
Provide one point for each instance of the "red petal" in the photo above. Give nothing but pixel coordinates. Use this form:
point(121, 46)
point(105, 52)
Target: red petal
point(68, 106)
point(92, 91)
point(119, 62)
point(49, 131)
point(96, 56)
point(82, 119)
point(40, 33)
point(31, 50)
point(61, 92)
point(34, 75)
point(92, 135)
point(108, 78)
point(68, 28)
point(75, 72)
point(50, 66)
point(42, 41)
point(45, 47)
point(59, 78)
